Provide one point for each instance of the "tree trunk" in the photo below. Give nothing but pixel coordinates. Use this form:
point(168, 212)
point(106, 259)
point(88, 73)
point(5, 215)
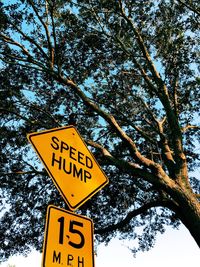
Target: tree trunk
point(188, 210)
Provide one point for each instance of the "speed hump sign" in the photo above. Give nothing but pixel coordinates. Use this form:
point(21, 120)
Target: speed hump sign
point(68, 239)
point(69, 162)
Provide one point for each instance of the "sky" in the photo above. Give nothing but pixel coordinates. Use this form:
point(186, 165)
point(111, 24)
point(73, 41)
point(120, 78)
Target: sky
point(173, 248)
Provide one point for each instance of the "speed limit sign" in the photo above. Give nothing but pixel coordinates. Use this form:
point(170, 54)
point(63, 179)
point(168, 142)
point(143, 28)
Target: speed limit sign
point(68, 239)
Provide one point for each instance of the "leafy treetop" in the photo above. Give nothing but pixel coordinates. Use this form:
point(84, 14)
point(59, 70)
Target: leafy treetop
point(126, 74)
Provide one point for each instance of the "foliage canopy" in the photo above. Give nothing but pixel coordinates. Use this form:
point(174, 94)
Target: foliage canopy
point(126, 74)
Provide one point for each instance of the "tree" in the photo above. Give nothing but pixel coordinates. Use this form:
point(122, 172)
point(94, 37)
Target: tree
point(125, 73)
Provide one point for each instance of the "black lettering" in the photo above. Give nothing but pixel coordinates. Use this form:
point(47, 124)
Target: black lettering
point(80, 157)
point(80, 262)
point(61, 234)
point(89, 162)
point(56, 258)
point(63, 146)
point(87, 175)
point(65, 169)
point(59, 161)
point(69, 258)
point(55, 145)
point(72, 151)
point(77, 173)
point(73, 230)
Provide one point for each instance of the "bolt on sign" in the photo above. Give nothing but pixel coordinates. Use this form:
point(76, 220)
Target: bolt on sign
point(69, 162)
point(68, 239)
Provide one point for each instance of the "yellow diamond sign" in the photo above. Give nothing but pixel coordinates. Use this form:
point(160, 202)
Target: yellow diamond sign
point(69, 162)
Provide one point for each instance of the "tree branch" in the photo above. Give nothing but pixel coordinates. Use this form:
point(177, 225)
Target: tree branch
point(197, 196)
point(9, 40)
point(195, 127)
point(142, 46)
point(54, 36)
point(48, 114)
point(145, 76)
point(28, 38)
point(162, 92)
point(175, 99)
point(20, 64)
point(138, 129)
point(15, 113)
point(189, 7)
point(131, 215)
point(50, 47)
point(29, 60)
point(23, 173)
point(158, 175)
point(134, 169)
point(112, 122)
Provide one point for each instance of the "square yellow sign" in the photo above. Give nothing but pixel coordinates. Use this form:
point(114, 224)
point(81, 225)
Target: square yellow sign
point(68, 239)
